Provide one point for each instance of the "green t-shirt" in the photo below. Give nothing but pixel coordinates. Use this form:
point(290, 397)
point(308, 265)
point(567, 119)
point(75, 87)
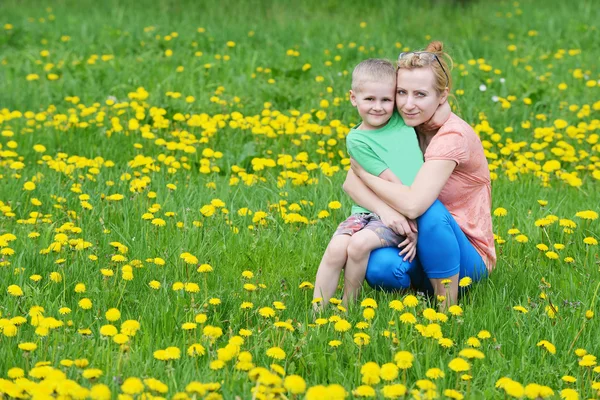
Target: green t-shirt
point(395, 146)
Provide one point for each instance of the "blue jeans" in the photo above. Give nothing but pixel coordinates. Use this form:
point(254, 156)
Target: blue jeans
point(443, 251)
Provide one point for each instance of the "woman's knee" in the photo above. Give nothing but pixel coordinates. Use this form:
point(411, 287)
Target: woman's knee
point(386, 270)
point(431, 220)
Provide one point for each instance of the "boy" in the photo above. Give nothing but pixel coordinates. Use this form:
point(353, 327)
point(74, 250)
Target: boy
point(384, 146)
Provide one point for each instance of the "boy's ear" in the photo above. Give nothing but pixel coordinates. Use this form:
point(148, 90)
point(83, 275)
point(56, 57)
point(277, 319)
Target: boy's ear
point(352, 98)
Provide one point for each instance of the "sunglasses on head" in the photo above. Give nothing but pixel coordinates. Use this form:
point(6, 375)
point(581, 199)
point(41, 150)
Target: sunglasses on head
point(427, 56)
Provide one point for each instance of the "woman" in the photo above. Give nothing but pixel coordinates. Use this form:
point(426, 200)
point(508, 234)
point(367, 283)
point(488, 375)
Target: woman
point(450, 197)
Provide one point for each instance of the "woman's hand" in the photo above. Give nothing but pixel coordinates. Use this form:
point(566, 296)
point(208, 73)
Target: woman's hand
point(409, 247)
point(395, 221)
point(402, 227)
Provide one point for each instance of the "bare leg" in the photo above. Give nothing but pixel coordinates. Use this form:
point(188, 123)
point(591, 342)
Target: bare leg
point(359, 250)
point(330, 268)
point(449, 291)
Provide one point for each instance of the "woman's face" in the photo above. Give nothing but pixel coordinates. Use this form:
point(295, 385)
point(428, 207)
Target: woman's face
point(416, 97)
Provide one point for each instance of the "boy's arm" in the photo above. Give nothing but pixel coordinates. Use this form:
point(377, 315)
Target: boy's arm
point(389, 176)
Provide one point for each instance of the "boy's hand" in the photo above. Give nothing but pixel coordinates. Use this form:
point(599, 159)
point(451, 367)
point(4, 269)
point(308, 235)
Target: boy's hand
point(440, 116)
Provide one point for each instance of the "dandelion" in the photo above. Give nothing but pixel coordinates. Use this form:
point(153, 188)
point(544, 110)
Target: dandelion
point(132, 386)
point(547, 346)
point(342, 325)
point(361, 339)
point(535, 391)
point(590, 241)
point(569, 394)
point(92, 373)
point(188, 326)
point(334, 205)
point(521, 309)
point(266, 312)
point(15, 373)
point(500, 212)
point(369, 302)
point(108, 330)
point(459, 365)
point(120, 338)
point(396, 305)
point(434, 373)
point(410, 301)
point(388, 372)
point(408, 318)
point(85, 303)
point(204, 268)
point(455, 310)
point(395, 391)
point(276, 353)
point(464, 282)
point(113, 314)
point(15, 290)
point(587, 361)
point(154, 285)
point(368, 314)
point(364, 391)
point(404, 359)
point(483, 334)
point(27, 346)
point(453, 394)
point(521, 238)
point(551, 311)
point(294, 384)
point(471, 353)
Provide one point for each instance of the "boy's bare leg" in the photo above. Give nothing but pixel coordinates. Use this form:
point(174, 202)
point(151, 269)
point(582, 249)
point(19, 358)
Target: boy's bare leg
point(330, 268)
point(359, 250)
point(449, 291)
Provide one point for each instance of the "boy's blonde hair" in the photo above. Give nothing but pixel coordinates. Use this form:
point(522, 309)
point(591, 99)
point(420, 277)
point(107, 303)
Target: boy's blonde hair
point(373, 69)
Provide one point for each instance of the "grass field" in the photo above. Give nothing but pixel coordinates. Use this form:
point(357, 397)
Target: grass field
point(171, 174)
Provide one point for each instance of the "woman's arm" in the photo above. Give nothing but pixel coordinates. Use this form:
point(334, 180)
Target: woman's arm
point(411, 201)
point(397, 222)
point(365, 197)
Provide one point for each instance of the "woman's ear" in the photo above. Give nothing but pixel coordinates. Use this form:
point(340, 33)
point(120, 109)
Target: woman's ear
point(444, 96)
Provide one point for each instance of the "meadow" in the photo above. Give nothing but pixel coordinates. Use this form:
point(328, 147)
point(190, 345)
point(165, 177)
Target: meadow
point(170, 175)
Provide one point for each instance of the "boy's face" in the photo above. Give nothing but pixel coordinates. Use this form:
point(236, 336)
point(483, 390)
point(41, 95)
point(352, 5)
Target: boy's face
point(374, 102)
